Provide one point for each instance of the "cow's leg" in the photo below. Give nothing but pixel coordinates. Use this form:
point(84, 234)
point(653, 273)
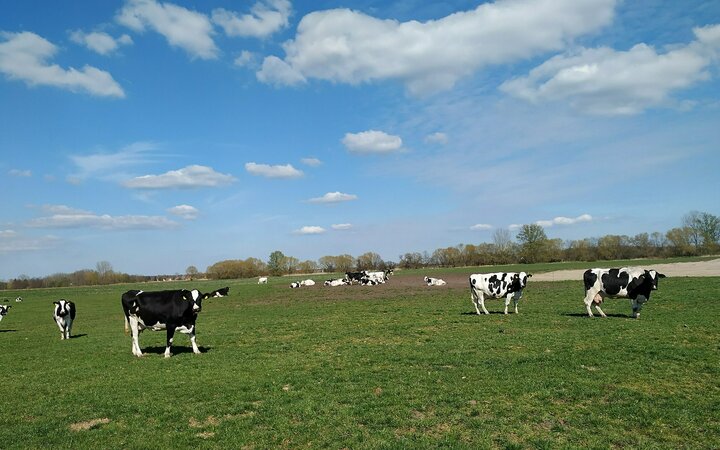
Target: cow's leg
point(170, 334)
point(516, 300)
point(60, 325)
point(195, 347)
point(637, 304)
point(507, 302)
point(474, 299)
point(481, 299)
point(589, 298)
point(135, 332)
point(68, 328)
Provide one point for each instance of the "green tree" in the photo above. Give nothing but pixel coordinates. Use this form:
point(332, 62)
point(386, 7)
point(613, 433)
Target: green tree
point(276, 263)
point(532, 240)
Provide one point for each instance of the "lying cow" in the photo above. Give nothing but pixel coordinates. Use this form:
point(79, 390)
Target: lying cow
point(627, 282)
point(262, 280)
point(219, 292)
point(172, 311)
point(336, 282)
point(64, 315)
point(18, 300)
point(4, 310)
point(354, 277)
point(497, 285)
point(434, 281)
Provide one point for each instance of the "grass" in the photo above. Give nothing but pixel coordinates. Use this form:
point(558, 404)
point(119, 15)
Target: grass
point(368, 367)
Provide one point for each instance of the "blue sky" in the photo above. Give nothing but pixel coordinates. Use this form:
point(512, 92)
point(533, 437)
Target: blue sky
point(159, 135)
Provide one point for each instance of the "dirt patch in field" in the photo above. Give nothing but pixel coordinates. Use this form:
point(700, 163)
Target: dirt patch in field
point(87, 425)
point(687, 269)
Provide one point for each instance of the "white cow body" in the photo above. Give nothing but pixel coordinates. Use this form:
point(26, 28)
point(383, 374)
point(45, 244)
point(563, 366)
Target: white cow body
point(434, 281)
point(508, 285)
point(262, 280)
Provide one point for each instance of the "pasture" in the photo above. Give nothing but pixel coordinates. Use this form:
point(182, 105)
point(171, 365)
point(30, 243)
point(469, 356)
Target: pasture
point(400, 365)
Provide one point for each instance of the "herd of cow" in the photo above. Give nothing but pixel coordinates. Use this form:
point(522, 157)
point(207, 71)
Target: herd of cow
point(177, 310)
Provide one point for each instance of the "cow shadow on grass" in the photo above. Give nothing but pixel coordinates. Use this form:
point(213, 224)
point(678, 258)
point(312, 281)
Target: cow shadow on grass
point(598, 316)
point(176, 350)
point(8, 331)
point(75, 336)
point(473, 313)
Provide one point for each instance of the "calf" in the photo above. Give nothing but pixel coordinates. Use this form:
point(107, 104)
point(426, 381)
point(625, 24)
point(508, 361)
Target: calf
point(262, 280)
point(497, 285)
point(4, 310)
point(219, 292)
point(336, 282)
point(434, 281)
point(172, 311)
point(627, 282)
point(64, 315)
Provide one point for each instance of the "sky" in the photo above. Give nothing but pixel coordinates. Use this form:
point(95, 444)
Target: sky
point(156, 135)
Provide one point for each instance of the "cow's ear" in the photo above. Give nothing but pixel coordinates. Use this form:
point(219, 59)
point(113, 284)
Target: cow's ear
point(661, 275)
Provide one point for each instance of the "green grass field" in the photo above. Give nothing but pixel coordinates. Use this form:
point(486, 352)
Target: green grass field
point(368, 367)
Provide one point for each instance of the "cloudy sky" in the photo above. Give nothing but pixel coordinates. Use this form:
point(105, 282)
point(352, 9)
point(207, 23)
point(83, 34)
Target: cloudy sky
point(158, 135)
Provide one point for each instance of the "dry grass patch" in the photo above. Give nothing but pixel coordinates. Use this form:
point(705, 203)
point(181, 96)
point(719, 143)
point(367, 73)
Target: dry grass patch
point(89, 424)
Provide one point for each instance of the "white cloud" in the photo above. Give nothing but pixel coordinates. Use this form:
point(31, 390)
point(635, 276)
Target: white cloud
point(565, 220)
point(278, 171)
point(606, 81)
point(436, 138)
point(62, 209)
point(100, 42)
point(4, 234)
point(481, 226)
point(312, 162)
point(276, 71)
point(333, 197)
point(341, 45)
point(19, 173)
point(310, 230)
point(266, 17)
point(183, 28)
point(185, 211)
point(12, 241)
point(372, 141)
point(108, 165)
point(188, 177)
point(24, 56)
point(105, 222)
point(341, 226)
point(245, 59)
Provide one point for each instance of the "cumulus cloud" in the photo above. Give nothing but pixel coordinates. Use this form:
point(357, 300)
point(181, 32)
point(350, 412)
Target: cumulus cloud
point(565, 220)
point(372, 141)
point(278, 171)
point(265, 18)
point(104, 222)
point(24, 56)
point(436, 138)
point(312, 162)
point(100, 42)
point(185, 211)
point(245, 59)
point(334, 197)
point(341, 226)
point(279, 73)
point(310, 230)
point(346, 46)
point(481, 226)
point(188, 177)
point(20, 173)
point(610, 82)
point(181, 27)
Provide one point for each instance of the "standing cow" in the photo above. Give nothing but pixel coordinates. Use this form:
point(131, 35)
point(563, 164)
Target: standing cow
point(64, 315)
point(497, 285)
point(4, 310)
point(627, 282)
point(172, 311)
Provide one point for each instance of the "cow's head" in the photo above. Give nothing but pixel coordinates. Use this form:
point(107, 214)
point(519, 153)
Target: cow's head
point(4, 309)
point(654, 277)
point(62, 308)
point(196, 297)
point(519, 280)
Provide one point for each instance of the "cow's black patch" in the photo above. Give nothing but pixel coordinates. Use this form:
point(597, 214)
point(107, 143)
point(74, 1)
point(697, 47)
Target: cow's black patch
point(614, 281)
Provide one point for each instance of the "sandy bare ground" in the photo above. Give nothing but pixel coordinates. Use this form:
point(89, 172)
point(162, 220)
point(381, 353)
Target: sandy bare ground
point(687, 269)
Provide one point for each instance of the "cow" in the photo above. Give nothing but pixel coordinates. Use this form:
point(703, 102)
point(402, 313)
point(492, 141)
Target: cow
point(18, 300)
point(434, 281)
point(307, 282)
point(354, 277)
point(262, 280)
point(368, 281)
point(175, 310)
point(219, 292)
point(295, 285)
point(64, 315)
point(627, 282)
point(4, 310)
point(497, 285)
point(336, 282)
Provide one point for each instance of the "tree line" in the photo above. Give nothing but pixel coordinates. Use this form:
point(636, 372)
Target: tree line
point(699, 234)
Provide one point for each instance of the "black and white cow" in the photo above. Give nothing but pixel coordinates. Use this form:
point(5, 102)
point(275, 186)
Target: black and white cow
point(497, 285)
point(4, 310)
point(172, 311)
point(435, 281)
point(336, 282)
point(219, 292)
point(18, 300)
point(64, 315)
point(354, 277)
point(628, 282)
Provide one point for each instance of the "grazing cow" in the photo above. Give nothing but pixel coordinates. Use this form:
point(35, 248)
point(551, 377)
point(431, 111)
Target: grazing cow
point(336, 282)
point(4, 310)
point(64, 315)
point(628, 282)
point(172, 311)
point(219, 292)
point(497, 285)
point(434, 281)
point(18, 300)
point(262, 280)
